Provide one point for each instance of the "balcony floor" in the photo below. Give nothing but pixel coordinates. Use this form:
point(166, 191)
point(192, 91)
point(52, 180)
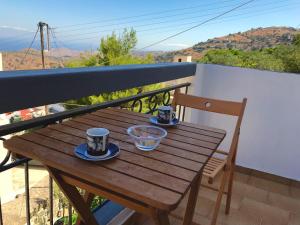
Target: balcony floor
point(256, 200)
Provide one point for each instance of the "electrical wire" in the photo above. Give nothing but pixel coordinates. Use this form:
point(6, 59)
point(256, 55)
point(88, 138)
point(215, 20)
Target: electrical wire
point(141, 15)
point(63, 36)
point(28, 49)
point(164, 28)
point(147, 19)
point(55, 43)
point(240, 17)
point(26, 33)
point(190, 28)
point(198, 25)
point(158, 22)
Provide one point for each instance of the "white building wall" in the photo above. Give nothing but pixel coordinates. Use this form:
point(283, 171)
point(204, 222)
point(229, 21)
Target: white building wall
point(270, 133)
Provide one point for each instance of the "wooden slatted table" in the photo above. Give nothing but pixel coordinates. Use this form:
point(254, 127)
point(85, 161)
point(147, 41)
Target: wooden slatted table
point(152, 183)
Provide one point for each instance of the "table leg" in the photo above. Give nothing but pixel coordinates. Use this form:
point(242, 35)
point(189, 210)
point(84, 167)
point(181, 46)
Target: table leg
point(190, 207)
point(87, 198)
point(74, 197)
point(160, 217)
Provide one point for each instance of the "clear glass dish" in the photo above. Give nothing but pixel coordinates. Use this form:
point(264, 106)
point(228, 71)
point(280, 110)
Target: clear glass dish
point(145, 137)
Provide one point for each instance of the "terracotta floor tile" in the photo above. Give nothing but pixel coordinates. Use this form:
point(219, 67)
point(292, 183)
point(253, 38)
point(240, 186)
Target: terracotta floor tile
point(203, 207)
point(202, 220)
point(269, 185)
point(284, 202)
point(295, 184)
point(240, 177)
point(294, 219)
point(255, 193)
point(236, 217)
point(295, 191)
point(266, 214)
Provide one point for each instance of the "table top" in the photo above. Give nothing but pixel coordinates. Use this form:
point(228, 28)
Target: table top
point(159, 178)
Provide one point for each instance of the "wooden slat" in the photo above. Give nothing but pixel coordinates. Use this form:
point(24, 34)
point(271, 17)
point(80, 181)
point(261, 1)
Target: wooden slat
point(120, 166)
point(138, 189)
point(190, 127)
point(174, 136)
point(170, 159)
point(176, 132)
point(161, 148)
point(213, 167)
point(171, 139)
point(168, 142)
point(183, 123)
point(142, 159)
point(207, 104)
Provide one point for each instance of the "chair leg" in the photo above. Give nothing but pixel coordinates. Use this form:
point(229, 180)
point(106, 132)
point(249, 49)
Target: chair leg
point(219, 198)
point(229, 191)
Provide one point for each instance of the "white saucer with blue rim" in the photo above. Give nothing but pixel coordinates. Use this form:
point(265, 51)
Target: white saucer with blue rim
point(154, 121)
point(81, 152)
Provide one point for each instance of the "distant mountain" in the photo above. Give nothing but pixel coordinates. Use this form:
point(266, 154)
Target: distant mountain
point(14, 39)
point(64, 53)
point(253, 39)
point(14, 60)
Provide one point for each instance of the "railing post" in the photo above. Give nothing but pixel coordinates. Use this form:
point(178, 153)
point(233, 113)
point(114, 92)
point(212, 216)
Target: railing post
point(183, 114)
point(51, 199)
point(26, 170)
point(1, 220)
point(70, 213)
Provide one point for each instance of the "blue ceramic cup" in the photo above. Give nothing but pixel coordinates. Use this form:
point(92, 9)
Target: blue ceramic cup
point(97, 141)
point(165, 114)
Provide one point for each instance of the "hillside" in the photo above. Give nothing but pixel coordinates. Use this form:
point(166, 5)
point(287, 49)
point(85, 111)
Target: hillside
point(253, 39)
point(53, 59)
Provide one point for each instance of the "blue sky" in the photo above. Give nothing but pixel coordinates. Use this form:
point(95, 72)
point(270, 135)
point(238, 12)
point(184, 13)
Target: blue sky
point(163, 18)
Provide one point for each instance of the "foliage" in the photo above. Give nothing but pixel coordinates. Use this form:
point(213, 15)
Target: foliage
point(113, 50)
point(282, 58)
point(63, 204)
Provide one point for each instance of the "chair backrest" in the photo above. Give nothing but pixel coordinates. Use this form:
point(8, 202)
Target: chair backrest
point(216, 106)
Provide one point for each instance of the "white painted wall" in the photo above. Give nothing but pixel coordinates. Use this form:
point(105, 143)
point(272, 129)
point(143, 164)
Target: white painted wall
point(270, 133)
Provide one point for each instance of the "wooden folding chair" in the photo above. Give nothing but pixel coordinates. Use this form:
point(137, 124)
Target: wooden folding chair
point(216, 165)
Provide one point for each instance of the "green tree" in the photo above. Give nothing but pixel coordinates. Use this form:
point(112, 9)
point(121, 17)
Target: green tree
point(114, 50)
point(282, 58)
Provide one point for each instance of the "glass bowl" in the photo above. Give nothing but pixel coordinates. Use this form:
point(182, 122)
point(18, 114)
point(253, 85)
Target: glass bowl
point(146, 137)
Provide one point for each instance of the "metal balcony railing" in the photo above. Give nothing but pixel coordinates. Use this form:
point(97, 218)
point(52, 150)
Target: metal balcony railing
point(24, 89)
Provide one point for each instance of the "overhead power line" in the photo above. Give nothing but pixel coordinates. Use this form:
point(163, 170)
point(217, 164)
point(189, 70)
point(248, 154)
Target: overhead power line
point(170, 27)
point(30, 46)
point(150, 23)
point(191, 28)
point(141, 15)
point(148, 19)
point(170, 22)
point(198, 25)
point(230, 19)
point(55, 43)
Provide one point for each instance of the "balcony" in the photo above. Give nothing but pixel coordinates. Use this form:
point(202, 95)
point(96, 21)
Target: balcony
point(266, 186)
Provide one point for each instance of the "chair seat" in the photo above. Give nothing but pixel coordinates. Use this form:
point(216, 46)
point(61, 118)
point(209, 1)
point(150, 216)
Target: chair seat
point(111, 213)
point(213, 167)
